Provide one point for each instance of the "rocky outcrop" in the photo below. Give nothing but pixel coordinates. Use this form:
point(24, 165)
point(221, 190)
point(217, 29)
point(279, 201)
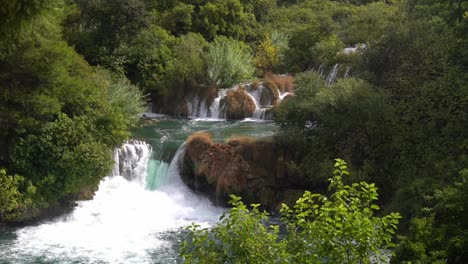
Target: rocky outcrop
point(253, 169)
point(237, 104)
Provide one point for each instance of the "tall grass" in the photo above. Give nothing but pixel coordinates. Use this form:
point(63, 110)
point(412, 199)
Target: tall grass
point(229, 61)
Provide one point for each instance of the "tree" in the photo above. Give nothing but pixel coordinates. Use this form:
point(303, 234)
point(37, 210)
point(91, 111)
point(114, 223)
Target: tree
point(223, 17)
point(188, 74)
point(440, 234)
point(340, 228)
point(59, 117)
point(267, 56)
point(98, 28)
point(348, 118)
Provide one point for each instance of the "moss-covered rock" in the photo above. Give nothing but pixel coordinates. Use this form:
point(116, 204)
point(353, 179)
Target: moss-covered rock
point(238, 104)
point(253, 169)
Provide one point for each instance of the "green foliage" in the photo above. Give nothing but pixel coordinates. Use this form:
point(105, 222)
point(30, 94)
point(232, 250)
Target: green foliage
point(188, 74)
point(26, 18)
point(15, 196)
point(348, 118)
point(228, 61)
point(123, 106)
point(147, 57)
point(260, 8)
point(240, 237)
point(340, 228)
point(62, 158)
point(98, 28)
point(369, 23)
point(225, 18)
point(267, 56)
point(440, 235)
point(59, 117)
point(179, 18)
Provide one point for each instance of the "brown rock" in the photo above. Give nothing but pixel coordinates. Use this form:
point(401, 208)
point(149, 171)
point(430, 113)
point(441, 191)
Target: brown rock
point(254, 169)
point(238, 104)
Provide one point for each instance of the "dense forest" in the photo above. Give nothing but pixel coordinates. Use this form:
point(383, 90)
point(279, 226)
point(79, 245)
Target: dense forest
point(76, 74)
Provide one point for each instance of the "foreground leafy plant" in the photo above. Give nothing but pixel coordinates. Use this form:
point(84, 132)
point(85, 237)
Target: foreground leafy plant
point(340, 228)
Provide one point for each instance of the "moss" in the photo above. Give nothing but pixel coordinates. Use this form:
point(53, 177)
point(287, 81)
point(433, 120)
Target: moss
point(238, 104)
point(285, 83)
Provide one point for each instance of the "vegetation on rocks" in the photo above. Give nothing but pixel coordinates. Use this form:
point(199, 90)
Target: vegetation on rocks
point(237, 104)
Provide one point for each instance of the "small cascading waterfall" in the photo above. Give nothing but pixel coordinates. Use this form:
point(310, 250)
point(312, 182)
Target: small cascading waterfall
point(131, 159)
point(283, 95)
point(331, 77)
point(197, 107)
point(263, 102)
point(346, 72)
point(157, 172)
point(215, 108)
point(336, 71)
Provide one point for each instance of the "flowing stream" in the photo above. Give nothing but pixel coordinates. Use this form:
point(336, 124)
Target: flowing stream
point(139, 213)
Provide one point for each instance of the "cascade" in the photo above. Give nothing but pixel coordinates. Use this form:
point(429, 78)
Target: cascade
point(197, 107)
point(130, 160)
point(346, 72)
point(215, 111)
point(283, 95)
point(260, 95)
point(257, 94)
point(123, 223)
point(331, 77)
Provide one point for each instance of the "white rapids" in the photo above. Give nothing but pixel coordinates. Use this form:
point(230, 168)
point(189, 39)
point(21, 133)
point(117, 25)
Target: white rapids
point(124, 222)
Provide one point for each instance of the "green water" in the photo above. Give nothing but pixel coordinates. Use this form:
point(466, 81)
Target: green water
point(167, 135)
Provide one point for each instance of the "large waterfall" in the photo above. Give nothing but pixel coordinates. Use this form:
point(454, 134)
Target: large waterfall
point(125, 222)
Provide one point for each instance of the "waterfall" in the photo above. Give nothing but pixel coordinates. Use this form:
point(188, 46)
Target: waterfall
point(332, 75)
point(197, 107)
point(260, 95)
point(283, 95)
point(346, 72)
point(215, 111)
point(123, 223)
point(258, 111)
point(131, 159)
point(263, 102)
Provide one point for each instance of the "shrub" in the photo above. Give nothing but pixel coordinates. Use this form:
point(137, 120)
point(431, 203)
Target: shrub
point(229, 61)
point(340, 228)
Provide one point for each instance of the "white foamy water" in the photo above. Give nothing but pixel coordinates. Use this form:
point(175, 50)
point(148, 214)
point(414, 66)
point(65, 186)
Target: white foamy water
point(123, 223)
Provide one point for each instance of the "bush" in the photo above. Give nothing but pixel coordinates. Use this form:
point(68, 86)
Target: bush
point(15, 196)
point(440, 234)
point(229, 61)
point(340, 228)
point(349, 118)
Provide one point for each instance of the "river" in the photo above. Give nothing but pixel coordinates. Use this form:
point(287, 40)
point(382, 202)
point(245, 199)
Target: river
point(139, 213)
